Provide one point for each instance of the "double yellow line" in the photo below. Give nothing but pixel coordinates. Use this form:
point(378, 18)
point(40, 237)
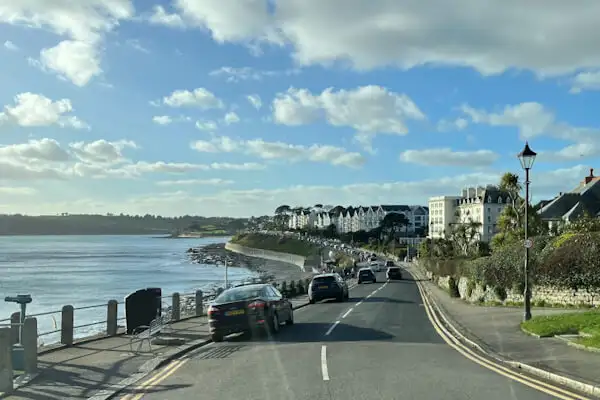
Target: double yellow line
point(456, 344)
point(140, 390)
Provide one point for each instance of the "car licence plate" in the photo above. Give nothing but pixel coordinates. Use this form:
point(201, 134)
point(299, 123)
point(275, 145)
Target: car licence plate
point(234, 312)
point(324, 287)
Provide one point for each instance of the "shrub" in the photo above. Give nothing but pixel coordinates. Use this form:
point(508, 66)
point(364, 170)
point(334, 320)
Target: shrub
point(300, 287)
point(284, 288)
point(573, 264)
point(292, 289)
point(471, 284)
point(500, 293)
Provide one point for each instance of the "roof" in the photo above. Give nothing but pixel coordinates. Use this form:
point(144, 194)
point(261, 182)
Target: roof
point(585, 198)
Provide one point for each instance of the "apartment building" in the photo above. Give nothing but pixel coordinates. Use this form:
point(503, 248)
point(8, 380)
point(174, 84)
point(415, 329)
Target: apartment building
point(482, 205)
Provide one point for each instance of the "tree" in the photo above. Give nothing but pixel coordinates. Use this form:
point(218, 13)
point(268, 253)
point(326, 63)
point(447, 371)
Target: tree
point(282, 216)
point(465, 236)
point(510, 184)
point(283, 209)
point(393, 222)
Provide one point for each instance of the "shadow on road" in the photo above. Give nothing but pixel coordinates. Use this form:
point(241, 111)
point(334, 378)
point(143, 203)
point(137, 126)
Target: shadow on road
point(314, 332)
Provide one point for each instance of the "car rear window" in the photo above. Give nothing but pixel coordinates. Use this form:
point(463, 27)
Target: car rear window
point(365, 272)
point(394, 269)
point(239, 294)
point(324, 279)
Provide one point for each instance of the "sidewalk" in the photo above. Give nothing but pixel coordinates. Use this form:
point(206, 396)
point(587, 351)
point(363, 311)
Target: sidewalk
point(497, 329)
point(98, 368)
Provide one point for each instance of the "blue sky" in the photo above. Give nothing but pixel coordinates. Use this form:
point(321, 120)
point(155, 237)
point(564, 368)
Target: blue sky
point(235, 107)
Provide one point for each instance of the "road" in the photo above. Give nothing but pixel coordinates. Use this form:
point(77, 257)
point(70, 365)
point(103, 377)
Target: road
point(378, 345)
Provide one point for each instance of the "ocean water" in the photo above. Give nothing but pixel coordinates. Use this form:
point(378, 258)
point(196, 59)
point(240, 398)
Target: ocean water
point(90, 270)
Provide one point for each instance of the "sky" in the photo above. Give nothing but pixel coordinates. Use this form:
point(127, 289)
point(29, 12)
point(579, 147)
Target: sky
point(234, 107)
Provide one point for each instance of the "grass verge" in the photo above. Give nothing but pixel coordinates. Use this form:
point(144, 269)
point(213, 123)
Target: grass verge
point(275, 243)
point(587, 323)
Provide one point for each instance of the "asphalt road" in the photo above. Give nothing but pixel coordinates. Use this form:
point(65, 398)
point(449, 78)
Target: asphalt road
point(378, 345)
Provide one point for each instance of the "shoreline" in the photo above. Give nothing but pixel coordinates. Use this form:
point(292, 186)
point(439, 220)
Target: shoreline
point(216, 254)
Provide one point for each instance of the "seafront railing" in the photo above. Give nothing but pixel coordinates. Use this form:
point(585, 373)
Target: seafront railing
point(66, 331)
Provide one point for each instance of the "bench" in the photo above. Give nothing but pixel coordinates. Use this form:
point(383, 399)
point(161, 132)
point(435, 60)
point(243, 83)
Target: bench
point(145, 333)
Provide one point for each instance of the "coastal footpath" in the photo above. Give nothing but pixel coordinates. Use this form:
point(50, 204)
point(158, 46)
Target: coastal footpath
point(267, 254)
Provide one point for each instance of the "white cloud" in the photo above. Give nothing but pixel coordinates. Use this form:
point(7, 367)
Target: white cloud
point(196, 182)
point(17, 191)
point(231, 118)
point(200, 98)
point(161, 17)
point(234, 75)
point(102, 151)
point(137, 45)
point(248, 166)
point(367, 109)
point(10, 46)
point(502, 35)
point(206, 125)
point(264, 201)
point(35, 150)
point(447, 157)
point(279, 150)
point(534, 120)
point(255, 100)
point(34, 110)
point(586, 81)
point(72, 60)
point(162, 119)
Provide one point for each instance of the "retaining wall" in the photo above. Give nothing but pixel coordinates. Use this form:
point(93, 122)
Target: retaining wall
point(268, 254)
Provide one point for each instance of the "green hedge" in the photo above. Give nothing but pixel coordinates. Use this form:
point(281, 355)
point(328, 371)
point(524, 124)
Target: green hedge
point(569, 261)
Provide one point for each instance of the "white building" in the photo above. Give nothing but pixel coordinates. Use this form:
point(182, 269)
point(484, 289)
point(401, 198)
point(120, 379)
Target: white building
point(354, 219)
point(482, 205)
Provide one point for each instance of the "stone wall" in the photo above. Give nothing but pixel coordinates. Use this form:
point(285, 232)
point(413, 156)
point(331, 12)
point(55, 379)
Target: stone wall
point(540, 295)
point(267, 254)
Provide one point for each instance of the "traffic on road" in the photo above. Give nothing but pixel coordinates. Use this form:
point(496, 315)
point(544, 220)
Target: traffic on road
point(376, 340)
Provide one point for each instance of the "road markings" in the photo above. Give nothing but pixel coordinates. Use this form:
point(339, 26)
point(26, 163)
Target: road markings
point(332, 327)
point(324, 369)
point(347, 312)
point(140, 390)
point(484, 362)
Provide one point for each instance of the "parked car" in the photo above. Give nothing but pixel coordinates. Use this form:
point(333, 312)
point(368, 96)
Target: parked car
point(389, 263)
point(394, 273)
point(327, 286)
point(246, 308)
point(366, 275)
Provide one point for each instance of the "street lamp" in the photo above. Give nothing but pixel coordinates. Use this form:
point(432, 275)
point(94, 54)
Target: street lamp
point(527, 157)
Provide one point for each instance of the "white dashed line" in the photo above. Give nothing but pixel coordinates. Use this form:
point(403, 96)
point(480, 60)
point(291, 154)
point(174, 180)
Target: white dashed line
point(347, 312)
point(332, 327)
point(324, 369)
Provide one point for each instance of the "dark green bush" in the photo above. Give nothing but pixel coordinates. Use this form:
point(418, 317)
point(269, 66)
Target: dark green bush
point(453, 287)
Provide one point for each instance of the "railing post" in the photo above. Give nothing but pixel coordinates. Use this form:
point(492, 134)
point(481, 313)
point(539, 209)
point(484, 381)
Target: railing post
point(67, 324)
point(15, 327)
point(29, 337)
point(111, 317)
point(199, 305)
point(176, 307)
point(6, 367)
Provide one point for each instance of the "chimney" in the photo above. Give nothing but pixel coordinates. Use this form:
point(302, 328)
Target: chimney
point(590, 178)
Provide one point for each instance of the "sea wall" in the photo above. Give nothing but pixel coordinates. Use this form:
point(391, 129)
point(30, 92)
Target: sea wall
point(267, 254)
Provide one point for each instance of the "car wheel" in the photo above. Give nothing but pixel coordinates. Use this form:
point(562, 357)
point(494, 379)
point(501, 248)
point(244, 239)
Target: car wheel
point(216, 337)
point(290, 320)
point(311, 301)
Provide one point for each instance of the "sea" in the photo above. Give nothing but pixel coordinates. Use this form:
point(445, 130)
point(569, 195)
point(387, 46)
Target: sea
point(90, 270)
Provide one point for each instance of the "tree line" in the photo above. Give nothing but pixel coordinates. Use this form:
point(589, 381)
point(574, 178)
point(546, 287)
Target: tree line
point(110, 224)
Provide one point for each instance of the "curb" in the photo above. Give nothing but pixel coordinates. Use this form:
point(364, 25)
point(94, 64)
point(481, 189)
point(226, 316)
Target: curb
point(152, 365)
point(542, 373)
point(534, 334)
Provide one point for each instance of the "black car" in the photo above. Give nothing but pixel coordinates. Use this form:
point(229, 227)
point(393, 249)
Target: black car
point(366, 275)
point(394, 273)
point(246, 308)
point(327, 286)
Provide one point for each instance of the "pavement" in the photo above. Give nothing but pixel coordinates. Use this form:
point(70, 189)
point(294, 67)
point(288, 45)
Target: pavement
point(96, 369)
point(497, 330)
point(385, 342)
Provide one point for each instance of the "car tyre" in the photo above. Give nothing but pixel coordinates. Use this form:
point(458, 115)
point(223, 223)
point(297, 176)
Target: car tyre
point(216, 337)
point(311, 301)
point(274, 324)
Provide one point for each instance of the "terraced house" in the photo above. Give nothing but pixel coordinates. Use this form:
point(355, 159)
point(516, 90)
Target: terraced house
point(354, 219)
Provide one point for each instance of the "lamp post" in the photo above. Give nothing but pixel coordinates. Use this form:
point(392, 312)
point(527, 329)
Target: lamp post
point(527, 157)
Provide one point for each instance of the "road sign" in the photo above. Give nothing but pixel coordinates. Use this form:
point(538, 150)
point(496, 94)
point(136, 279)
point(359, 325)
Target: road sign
point(528, 243)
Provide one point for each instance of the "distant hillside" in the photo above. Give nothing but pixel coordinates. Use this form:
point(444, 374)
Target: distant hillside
point(116, 225)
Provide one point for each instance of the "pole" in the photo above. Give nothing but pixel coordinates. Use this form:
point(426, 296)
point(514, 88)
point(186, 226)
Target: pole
point(226, 276)
point(527, 289)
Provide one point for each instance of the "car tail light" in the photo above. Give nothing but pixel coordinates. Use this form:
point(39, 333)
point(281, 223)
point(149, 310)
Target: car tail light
point(257, 305)
point(213, 311)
